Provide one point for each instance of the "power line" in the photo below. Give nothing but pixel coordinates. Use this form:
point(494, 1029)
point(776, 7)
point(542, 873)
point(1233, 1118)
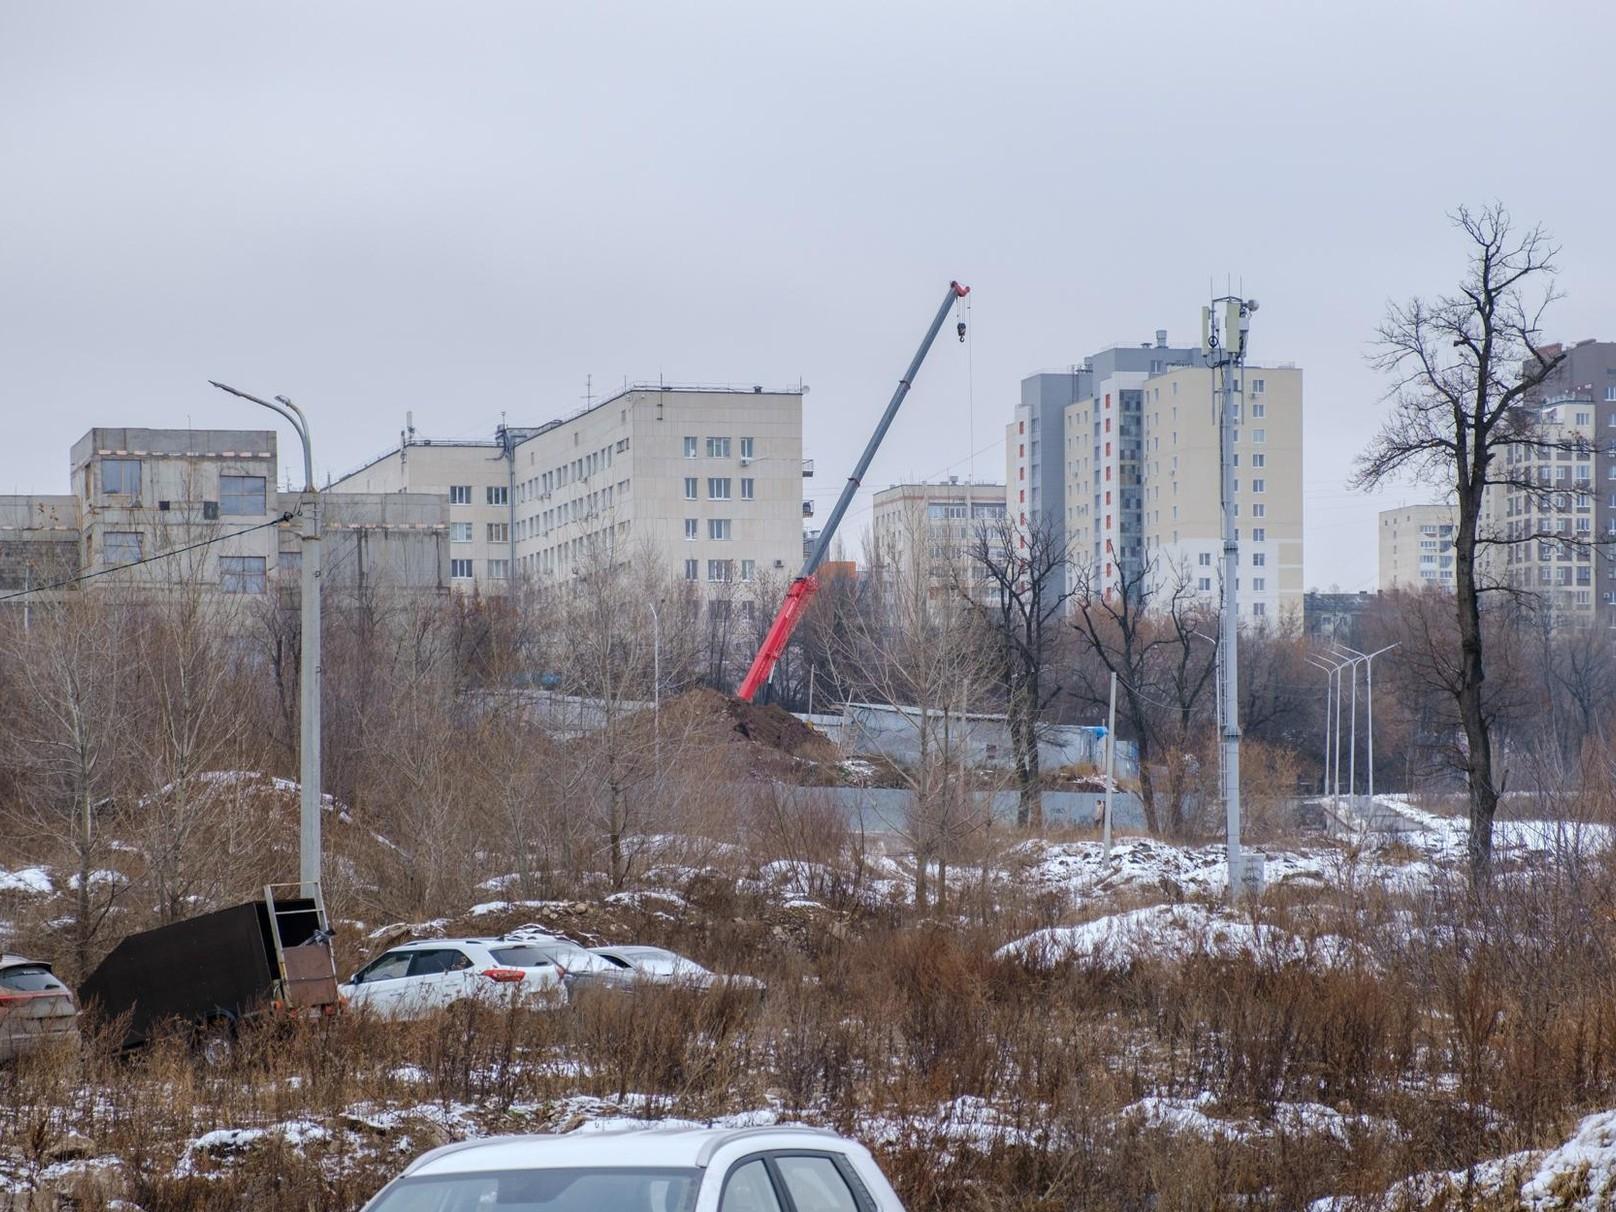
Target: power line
point(151, 559)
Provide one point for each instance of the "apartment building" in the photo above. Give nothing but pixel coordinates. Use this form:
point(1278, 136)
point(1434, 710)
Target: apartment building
point(165, 509)
point(1180, 497)
point(473, 478)
point(940, 528)
point(1416, 547)
point(705, 481)
point(1103, 460)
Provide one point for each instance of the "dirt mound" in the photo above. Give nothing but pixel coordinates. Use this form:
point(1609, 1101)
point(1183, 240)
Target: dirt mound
point(769, 726)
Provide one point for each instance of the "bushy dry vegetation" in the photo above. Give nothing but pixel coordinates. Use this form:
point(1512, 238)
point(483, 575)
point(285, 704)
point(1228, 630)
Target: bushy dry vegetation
point(1447, 1030)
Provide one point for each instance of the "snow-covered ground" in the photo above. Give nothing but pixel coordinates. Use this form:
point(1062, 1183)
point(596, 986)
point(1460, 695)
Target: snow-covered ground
point(1173, 933)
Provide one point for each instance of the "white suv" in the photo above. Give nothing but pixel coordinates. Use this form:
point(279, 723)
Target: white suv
point(419, 977)
point(777, 1169)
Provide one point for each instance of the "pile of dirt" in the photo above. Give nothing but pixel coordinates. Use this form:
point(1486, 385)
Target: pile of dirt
point(769, 727)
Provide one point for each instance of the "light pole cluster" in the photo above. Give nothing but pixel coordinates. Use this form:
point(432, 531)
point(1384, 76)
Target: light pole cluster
point(1338, 661)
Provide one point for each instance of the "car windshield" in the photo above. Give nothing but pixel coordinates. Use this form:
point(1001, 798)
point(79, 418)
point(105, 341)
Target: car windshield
point(553, 1190)
point(31, 978)
point(524, 956)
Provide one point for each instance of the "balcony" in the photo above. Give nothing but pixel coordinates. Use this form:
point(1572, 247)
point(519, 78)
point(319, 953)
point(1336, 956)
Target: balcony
point(807, 509)
point(807, 469)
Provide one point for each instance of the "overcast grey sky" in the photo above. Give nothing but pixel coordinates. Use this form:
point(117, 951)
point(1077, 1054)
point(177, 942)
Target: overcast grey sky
point(464, 209)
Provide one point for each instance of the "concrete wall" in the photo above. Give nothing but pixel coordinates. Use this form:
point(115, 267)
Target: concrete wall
point(885, 810)
point(894, 733)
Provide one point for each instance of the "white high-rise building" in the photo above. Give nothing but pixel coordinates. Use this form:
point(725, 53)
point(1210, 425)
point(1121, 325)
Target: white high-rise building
point(1416, 547)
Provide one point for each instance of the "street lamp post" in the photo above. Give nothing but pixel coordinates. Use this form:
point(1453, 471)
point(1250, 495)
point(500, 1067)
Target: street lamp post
point(1367, 660)
point(309, 672)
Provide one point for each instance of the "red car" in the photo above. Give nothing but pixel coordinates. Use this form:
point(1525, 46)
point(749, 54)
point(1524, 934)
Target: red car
point(35, 1007)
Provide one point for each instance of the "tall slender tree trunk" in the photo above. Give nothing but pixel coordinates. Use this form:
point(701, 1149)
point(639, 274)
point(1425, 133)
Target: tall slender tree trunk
point(1472, 675)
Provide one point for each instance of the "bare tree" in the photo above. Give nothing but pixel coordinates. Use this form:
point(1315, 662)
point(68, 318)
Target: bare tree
point(1464, 367)
point(1019, 594)
point(1148, 629)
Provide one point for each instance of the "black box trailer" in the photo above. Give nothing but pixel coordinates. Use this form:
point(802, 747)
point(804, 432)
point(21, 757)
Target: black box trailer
point(214, 970)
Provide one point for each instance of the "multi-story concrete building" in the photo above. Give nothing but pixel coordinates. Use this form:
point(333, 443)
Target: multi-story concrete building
point(473, 479)
point(707, 482)
point(1181, 513)
point(940, 528)
point(165, 509)
point(1104, 460)
point(1416, 547)
point(1561, 484)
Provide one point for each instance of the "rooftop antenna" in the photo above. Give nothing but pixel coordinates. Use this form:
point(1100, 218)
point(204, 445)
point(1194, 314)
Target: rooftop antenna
point(589, 391)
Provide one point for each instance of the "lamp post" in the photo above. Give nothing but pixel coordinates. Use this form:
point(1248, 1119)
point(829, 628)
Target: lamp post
point(1332, 670)
point(656, 683)
point(1353, 659)
point(1367, 659)
point(308, 861)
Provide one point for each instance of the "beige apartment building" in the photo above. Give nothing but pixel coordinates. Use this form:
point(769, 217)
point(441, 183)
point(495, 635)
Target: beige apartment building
point(198, 509)
point(939, 527)
point(1142, 486)
point(705, 481)
point(1416, 547)
point(473, 480)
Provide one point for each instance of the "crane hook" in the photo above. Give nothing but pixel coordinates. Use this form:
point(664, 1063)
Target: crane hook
point(961, 329)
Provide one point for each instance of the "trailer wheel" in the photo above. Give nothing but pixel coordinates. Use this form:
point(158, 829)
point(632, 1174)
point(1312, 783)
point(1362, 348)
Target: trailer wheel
point(214, 1041)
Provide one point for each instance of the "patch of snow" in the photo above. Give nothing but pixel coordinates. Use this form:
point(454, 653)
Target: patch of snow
point(34, 880)
point(1580, 1175)
point(1172, 933)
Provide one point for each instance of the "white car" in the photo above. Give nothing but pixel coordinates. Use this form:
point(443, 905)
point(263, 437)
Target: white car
point(659, 966)
point(650, 1169)
point(417, 978)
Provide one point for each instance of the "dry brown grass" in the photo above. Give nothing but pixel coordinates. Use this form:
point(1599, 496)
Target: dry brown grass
point(1462, 1029)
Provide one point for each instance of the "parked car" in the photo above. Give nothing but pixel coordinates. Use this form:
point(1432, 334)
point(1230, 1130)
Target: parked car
point(646, 1170)
point(416, 978)
point(580, 967)
point(35, 1007)
point(269, 956)
point(659, 966)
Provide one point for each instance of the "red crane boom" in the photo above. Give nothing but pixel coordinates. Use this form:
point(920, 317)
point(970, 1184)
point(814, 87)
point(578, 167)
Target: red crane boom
point(802, 589)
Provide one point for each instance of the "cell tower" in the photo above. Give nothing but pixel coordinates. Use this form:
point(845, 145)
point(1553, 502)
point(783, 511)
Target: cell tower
point(1225, 330)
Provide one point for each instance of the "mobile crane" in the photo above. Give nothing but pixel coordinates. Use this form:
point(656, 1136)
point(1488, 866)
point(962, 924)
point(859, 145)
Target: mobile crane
point(802, 589)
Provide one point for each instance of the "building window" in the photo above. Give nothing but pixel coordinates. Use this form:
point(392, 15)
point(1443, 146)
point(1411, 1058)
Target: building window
point(459, 532)
point(692, 529)
point(1259, 436)
point(748, 569)
point(1610, 392)
point(1258, 510)
point(1259, 534)
point(121, 547)
point(690, 488)
point(121, 476)
point(748, 488)
point(718, 570)
point(1258, 559)
point(1204, 559)
point(241, 495)
point(690, 446)
point(718, 448)
point(460, 494)
point(499, 532)
point(460, 570)
point(746, 448)
point(1256, 387)
point(1259, 609)
point(241, 574)
point(498, 494)
point(1259, 460)
point(1204, 584)
point(718, 488)
point(718, 528)
point(1258, 584)
point(690, 570)
point(1256, 485)
point(499, 570)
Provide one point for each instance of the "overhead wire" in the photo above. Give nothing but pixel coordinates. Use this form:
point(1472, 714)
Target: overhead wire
point(151, 559)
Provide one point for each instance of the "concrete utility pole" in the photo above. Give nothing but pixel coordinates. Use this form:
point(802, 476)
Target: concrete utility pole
point(1224, 346)
point(1110, 761)
point(308, 861)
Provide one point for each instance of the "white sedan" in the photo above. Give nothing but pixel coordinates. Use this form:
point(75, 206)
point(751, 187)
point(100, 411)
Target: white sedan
point(417, 978)
point(659, 966)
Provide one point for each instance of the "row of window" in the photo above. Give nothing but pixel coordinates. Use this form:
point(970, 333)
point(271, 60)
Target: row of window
point(718, 488)
point(1259, 559)
point(717, 528)
point(239, 496)
point(721, 571)
point(494, 494)
point(717, 447)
